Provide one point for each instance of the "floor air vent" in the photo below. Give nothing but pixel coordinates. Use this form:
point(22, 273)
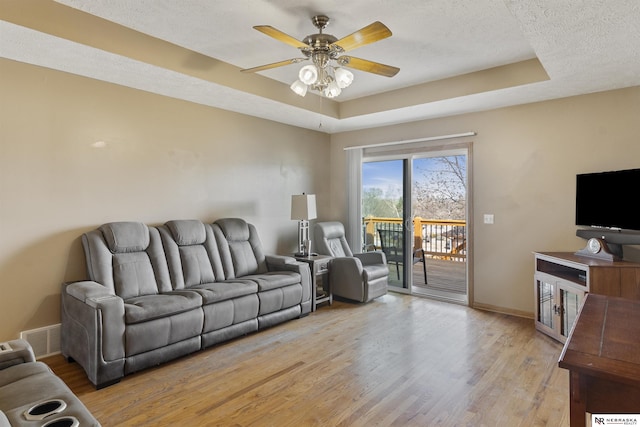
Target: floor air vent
point(44, 341)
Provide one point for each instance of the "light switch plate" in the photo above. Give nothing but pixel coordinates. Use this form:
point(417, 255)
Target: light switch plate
point(488, 218)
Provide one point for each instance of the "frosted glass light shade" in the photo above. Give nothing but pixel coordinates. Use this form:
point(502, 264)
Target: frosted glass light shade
point(343, 77)
point(308, 74)
point(299, 88)
point(332, 90)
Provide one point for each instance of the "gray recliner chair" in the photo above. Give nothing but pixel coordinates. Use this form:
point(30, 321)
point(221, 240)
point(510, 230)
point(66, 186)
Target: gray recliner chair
point(32, 395)
point(358, 277)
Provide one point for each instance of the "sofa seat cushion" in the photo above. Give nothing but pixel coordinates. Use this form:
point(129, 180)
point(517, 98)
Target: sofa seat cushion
point(274, 280)
point(149, 307)
point(164, 338)
point(376, 271)
point(222, 291)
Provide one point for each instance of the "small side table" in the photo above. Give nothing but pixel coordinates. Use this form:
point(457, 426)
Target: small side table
point(321, 288)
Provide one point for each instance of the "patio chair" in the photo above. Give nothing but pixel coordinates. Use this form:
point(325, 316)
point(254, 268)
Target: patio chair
point(359, 277)
point(392, 244)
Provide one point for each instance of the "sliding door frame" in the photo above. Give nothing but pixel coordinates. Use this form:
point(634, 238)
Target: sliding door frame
point(408, 151)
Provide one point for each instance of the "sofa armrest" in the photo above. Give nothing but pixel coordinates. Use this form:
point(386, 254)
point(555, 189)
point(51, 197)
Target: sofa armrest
point(346, 277)
point(346, 270)
point(89, 292)
point(15, 352)
point(369, 258)
point(274, 261)
point(93, 327)
point(287, 263)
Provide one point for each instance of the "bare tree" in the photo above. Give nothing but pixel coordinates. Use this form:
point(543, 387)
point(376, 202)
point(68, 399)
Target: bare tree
point(440, 192)
point(375, 204)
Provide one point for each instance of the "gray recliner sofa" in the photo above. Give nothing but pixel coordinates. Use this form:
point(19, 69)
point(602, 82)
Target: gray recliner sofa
point(32, 395)
point(157, 293)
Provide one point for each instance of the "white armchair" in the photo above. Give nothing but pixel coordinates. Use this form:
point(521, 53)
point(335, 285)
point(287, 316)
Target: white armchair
point(359, 277)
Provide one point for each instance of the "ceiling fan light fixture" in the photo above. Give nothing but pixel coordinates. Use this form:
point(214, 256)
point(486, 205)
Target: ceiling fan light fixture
point(325, 74)
point(299, 88)
point(332, 90)
point(329, 80)
point(308, 74)
point(344, 77)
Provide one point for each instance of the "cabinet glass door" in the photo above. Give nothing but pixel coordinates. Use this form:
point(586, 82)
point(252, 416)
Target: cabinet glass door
point(545, 304)
point(570, 303)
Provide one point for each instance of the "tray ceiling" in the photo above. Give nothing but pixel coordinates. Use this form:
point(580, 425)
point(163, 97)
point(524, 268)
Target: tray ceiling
point(454, 56)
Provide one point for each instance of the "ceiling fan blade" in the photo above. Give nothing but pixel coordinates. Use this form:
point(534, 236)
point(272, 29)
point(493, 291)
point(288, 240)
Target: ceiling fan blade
point(279, 35)
point(369, 34)
point(368, 66)
point(273, 65)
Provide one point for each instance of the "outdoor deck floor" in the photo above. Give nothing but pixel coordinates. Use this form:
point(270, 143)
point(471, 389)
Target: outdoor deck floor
point(442, 275)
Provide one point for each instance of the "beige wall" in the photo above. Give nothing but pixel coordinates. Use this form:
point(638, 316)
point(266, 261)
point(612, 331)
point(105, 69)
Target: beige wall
point(525, 159)
point(163, 159)
point(167, 159)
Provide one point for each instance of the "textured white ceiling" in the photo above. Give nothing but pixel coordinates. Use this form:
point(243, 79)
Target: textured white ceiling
point(584, 45)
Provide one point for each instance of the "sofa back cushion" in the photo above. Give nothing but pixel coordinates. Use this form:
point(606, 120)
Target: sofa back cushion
point(133, 275)
point(331, 240)
point(192, 253)
point(126, 237)
point(127, 258)
point(242, 254)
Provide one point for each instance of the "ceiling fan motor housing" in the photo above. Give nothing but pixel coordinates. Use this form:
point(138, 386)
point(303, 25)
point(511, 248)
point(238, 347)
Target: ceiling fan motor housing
point(320, 43)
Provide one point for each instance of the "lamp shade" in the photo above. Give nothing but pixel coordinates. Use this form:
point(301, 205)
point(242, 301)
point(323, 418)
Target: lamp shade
point(343, 77)
point(299, 88)
point(303, 207)
point(332, 90)
point(308, 74)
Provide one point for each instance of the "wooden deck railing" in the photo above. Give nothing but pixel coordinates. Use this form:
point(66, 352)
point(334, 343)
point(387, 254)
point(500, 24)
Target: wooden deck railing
point(442, 239)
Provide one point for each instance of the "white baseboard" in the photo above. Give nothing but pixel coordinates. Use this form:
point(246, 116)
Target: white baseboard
point(502, 310)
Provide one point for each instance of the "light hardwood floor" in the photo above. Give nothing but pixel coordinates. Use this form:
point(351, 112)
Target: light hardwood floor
point(397, 361)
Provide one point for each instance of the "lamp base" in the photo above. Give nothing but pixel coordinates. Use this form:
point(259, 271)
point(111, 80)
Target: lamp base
point(304, 244)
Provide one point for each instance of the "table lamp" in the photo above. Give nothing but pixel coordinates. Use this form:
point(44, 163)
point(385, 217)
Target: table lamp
point(303, 208)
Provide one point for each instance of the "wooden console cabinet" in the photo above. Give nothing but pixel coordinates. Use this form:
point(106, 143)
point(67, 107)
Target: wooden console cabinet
point(562, 279)
point(603, 357)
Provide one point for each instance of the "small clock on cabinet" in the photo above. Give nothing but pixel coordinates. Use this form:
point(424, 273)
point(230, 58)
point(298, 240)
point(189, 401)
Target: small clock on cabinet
point(597, 248)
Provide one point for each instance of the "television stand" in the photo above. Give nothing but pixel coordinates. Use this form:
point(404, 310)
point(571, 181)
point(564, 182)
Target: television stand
point(562, 279)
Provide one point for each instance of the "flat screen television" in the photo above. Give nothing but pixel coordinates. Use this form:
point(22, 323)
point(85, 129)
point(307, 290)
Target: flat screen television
point(608, 199)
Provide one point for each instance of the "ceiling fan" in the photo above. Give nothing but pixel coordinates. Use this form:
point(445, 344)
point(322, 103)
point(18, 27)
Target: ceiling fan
point(321, 49)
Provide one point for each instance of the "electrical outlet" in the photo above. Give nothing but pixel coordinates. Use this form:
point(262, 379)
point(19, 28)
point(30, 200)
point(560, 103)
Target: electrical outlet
point(488, 218)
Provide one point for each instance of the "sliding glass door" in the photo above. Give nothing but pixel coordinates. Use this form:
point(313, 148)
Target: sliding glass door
point(414, 208)
point(384, 190)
